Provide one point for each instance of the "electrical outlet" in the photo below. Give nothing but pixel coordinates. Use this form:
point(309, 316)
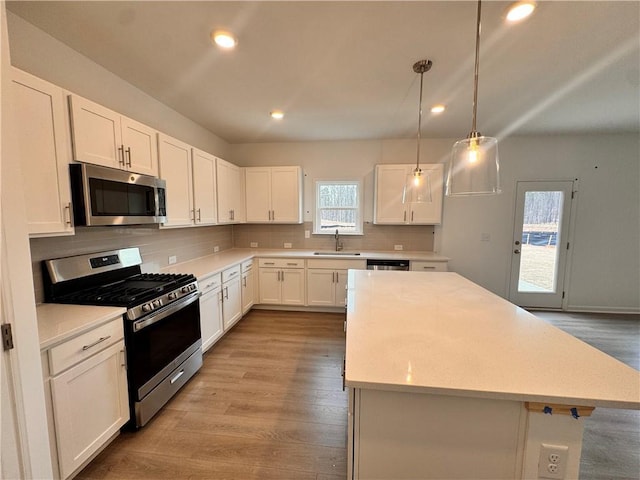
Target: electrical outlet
point(307, 234)
point(172, 259)
point(553, 461)
point(216, 249)
point(254, 244)
point(398, 247)
point(287, 245)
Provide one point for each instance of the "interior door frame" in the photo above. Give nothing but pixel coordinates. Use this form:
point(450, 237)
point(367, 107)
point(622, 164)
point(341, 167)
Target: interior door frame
point(568, 241)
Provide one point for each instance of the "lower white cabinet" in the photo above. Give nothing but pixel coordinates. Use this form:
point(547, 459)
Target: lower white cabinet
point(281, 281)
point(426, 266)
point(89, 399)
point(248, 286)
point(231, 297)
point(327, 281)
point(211, 310)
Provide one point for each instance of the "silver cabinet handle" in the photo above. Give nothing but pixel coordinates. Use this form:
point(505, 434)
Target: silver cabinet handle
point(233, 274)
point(100, 340)
point(199, 217)
point(337, 277)
point(128, 156)
point(428, 268)
point(244, 282)
point(193, 215)
point(121, 160)
point(177, 376)
point(226, 293)
point(292, 264)
point(269, 263)
point(412, 212)
point(405, 216)
point(68, 209)
point(124, 359)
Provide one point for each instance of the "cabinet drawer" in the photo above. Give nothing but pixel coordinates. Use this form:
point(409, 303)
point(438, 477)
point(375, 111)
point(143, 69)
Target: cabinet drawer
point(419, 266)
point(83, 346)
point(209, 283)
point(334, 264)
point(231, 273)
point(247, 266)
point(281, 262)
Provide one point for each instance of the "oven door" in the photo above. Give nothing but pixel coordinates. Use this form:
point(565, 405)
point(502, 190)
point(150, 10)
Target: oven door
point(159, 342)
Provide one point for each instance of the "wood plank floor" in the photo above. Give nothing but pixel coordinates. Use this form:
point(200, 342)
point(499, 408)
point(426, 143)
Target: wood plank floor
point(268, 404)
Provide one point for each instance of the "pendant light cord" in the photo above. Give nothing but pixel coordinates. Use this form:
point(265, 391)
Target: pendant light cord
point(475, 76)
point(419, 124)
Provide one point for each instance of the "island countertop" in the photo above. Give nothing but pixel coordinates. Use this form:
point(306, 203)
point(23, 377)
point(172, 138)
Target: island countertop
point(441, 333)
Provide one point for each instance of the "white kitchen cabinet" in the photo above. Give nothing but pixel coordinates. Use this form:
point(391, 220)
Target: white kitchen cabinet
point(211, 310)
point(230, 195)
point(426, 266)
point(231, 297)
point(89, 399)
point(389, 185)
point(248, 286)
point(281, 281)
point(327, 281)
point(104, 137)
point(273, 194)
point(175, 169)
point(42, 132)
point(204, 188)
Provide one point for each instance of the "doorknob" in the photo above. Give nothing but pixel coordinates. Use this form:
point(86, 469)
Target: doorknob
point(516, 251)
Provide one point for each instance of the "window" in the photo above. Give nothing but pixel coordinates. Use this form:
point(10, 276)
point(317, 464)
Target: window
point(338, 207)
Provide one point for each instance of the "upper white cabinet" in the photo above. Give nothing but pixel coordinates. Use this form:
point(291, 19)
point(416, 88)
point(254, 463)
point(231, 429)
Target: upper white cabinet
point(104, 137)
point(42, 129)
point(204, 188)
point(175, 169)
point(273, 194)
point(230, 193)
point(388, 206)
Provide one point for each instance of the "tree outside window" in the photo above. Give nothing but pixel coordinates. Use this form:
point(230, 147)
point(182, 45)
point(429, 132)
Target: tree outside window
point(338, 207)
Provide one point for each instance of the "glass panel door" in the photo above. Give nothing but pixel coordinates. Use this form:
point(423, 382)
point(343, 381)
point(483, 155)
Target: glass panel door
point(540, 243)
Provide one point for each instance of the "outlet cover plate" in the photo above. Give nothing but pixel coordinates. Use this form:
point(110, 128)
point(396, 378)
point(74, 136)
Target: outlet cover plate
point(553, 461)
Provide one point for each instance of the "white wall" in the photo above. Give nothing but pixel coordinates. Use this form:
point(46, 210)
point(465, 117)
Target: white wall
point(604, 274)
point(42, 55)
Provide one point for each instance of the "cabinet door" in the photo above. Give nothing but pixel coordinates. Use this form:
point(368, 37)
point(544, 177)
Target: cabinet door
point(96, 133)
point(269, 285)
point(321, 287)
point(41, 128)
point(390, 180)
point(140, 147)
point(211, 317)
point(230, 192)
point(204, 188)
point(175, 169)
point(286, 195)
point(293, 286)
point(258, 197)
point(231, 303)
point(248, 291)
point(341, 288)
point(90, 404)
point(430, 213)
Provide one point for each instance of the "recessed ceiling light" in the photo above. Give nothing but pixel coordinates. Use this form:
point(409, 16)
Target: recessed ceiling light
point(277, 114)
point(520, 10)
point(437, 109)
point(224, 39)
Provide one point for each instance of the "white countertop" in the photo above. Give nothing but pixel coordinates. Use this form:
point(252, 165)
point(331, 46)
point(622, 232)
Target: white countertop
point(58, 322)
point(211, 264)
point(441, 333)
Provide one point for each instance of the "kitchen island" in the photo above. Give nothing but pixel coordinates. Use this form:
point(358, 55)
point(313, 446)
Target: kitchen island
point(447, 380)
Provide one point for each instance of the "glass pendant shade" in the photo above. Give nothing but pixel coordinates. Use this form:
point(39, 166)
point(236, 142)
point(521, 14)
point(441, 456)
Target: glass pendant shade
point(417, 187)
point(474, 167)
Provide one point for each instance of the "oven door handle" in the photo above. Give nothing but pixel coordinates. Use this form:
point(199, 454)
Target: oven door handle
point(165, 312)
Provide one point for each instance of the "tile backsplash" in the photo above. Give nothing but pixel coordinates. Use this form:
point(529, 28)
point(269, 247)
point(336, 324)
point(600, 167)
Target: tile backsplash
point(156, 245)
point(376, 237)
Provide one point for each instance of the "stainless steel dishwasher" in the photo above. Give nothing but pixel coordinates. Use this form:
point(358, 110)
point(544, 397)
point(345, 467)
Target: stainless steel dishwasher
point(375, 264)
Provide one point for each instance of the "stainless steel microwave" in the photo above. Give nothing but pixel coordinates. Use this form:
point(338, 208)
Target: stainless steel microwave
point(107, 196)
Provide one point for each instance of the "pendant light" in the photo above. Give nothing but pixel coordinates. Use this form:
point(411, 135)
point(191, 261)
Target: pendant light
point(417, 188)
point(474, 166)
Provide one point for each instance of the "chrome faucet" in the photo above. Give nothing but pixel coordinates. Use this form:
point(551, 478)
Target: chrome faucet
point(338, 242)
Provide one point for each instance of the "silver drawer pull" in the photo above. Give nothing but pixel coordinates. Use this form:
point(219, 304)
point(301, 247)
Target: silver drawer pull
point(100, 340)
point(233, 273)
point(269, 263)
point(178, 375)
point(294, 264)
point(428, 268)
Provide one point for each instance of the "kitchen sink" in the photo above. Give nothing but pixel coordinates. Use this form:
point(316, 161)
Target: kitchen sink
point(336, 253)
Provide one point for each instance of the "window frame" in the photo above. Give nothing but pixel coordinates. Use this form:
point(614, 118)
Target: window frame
point(359, 209)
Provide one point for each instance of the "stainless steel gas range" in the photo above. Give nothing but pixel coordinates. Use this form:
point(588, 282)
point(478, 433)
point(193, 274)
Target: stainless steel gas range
point(162, 322)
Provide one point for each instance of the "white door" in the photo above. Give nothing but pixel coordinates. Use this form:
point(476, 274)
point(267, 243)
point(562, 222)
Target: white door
point(231, 302)
point(229, 192)
point(285, 195)
point(175, 169)
point(429, 213)
point(293, 286)
point(248, 291)
point(204, 188)
point(321, 287)
point(269, 285)
point(540, 243)
point(140, 147)
point(211, 317)
point(390, 180)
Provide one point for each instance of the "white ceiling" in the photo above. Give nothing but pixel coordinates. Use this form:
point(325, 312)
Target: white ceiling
point(343, 70)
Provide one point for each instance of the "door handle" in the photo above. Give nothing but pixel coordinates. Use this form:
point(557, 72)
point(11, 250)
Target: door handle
point(121, 160)
point(128, 156)
point(199, 217)
point(516, 251)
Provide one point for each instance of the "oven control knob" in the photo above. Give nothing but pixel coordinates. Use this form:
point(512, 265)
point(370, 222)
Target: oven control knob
point(185, 289)
point(157, 304)
point(192, 287)
point(146, 307)
point(172, 296)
